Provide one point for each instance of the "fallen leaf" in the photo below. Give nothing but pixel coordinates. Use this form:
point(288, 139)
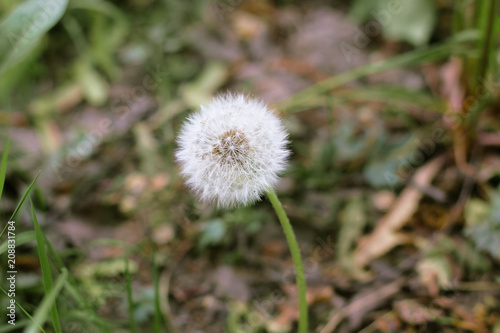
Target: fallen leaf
point(413, 312)
point(384, 237)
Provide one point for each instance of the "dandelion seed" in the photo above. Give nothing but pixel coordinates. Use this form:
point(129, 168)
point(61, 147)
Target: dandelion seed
point(232, 150)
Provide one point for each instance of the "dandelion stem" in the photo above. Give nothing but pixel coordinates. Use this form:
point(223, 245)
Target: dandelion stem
point(297, 260)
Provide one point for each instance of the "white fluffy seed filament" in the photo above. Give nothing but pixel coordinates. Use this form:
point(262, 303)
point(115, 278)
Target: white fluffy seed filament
point(231, 147)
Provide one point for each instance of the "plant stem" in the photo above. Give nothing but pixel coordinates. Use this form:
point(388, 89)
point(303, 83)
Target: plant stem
point(486, 39)
point(130, 299)
point(297, 260)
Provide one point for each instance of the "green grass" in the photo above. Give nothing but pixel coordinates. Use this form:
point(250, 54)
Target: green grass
point(21, 239)
point(47, 306)
point(130, 300)
point(3, 168)
point(23, 310)
point(158, 315)
point(20, 203)
point(457, 45)
point(50, 302)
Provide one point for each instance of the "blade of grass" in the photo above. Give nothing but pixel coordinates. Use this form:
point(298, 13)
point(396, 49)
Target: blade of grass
point(130, 300)
point(14, 49)
point(28, 190)
point(75, 294)
point(45, 266)
point(130, 248)
point(83, 317)
point(22, 309)
point(71, 284)
point(459, 44)
point(47, 304)
point(22, 238)
point(3, 167)
point(19, 324)
point(383, 94)
point(55, 256)
point(458, 21)
point(71, 288)
point(156, 280)
point(486, 26)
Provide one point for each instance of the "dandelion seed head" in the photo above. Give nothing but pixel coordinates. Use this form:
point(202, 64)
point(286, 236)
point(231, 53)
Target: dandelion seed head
point(232, 150)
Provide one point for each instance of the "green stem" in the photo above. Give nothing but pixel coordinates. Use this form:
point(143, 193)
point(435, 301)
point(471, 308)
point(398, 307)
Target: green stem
point(486, 39)
point(130, 299)
point(297, 260)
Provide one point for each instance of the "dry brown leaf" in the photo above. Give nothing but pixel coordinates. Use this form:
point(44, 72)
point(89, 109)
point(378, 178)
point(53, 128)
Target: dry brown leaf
point(384, 238)
point(288, 309)
point(319, 294)
point(247, 26)
point(413, 312)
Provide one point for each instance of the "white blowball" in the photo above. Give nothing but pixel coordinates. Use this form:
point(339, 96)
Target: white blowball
point(232, 150)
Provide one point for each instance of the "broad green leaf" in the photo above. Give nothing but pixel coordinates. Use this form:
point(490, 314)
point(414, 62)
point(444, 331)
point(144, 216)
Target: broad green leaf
point(410, 21)
point(414, 23)
point(200, 90)
point(25, 26)
point(483, 223)
point(94, 86)
point(393, 163)
point(212, 234)
point(476, 212)
point(350, 145)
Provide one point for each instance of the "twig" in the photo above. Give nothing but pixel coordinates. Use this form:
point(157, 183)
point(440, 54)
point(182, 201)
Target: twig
point(467, 187)
point(359, 304)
